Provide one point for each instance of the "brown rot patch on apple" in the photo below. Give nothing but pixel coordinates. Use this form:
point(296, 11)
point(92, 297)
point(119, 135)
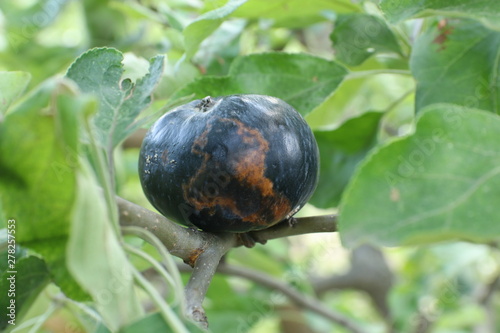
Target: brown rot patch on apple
point(228, 187)
point(229, 164)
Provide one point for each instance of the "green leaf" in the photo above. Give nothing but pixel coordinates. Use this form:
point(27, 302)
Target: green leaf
point(441, 183)
point(99, 72)
point(294, 13)
point(96, 259)
point(38, 159)
point(155, 323)
point(37, 162)
point(152, 323)
point(246, 306)
point(23, 24)
point(206, 24)
point(137, 10)
point(356, 37)
point(458, 63)
point(12, 85)
point(485, 11)
point(262, 259)
point(20, 252)
point(24, 283)
point(341, 150)
point(302, 80)
point(53, 252)
point(34, 17)
point(358, 94)
point(208, 86)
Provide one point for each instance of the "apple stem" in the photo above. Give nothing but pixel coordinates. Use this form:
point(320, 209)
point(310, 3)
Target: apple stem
point(206, 103)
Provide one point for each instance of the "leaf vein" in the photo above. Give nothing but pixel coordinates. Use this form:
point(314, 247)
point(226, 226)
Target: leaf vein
point(453, 204)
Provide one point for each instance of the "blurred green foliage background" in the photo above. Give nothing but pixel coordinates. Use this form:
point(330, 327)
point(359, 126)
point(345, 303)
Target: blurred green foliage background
point(437, 288)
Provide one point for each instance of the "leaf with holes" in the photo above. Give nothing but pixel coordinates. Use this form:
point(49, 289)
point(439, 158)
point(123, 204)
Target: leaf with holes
point(99, 72)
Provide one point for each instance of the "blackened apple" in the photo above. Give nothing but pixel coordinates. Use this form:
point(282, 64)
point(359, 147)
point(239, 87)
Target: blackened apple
point(229, 164)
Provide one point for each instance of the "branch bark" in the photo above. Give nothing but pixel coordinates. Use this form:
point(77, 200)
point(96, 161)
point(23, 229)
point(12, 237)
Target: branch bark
point(188, 244)
point(203, 250)
point(296, 297)
point(201, 276)
point(484, 298)
point(184, 243)
point(301, 300)
point(297, 226)
point(369, 272)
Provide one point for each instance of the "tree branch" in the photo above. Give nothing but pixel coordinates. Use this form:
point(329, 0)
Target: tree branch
point(484, 298)
point(301, 300)
point(181, 242)
point(298, 298)
point(369, 272)
point(201, 276)
point(488, 290)
point(297, 226)
point(203, 250)
point(188, 244)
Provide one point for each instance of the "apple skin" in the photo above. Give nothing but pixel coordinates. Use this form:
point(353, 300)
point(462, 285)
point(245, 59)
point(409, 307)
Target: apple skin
point(229, 164)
